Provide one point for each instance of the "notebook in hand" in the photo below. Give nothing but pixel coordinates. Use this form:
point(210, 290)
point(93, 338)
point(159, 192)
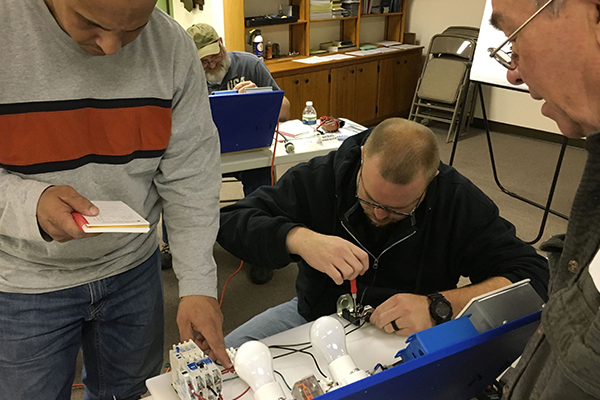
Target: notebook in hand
point(246, 121)
point(114, 216)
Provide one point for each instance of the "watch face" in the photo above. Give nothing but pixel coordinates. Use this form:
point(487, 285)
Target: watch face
point(443, 310)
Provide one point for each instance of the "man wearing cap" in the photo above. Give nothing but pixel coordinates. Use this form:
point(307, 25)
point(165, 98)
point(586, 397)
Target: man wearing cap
point(232, 70)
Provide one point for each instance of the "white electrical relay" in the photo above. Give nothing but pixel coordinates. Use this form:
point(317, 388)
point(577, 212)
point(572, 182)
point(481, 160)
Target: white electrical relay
point(193, 374)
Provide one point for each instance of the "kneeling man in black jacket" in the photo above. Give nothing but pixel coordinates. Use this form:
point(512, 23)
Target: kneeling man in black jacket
point(385, 211)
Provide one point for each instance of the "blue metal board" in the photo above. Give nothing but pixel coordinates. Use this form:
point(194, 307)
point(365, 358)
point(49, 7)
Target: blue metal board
point(246, 121)
point(459, 372)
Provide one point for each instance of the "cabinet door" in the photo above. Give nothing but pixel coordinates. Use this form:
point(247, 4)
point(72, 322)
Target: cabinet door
point(365, 97)
point(342, 92)
point(315, 87)
point(293, 91)
point(398, 78)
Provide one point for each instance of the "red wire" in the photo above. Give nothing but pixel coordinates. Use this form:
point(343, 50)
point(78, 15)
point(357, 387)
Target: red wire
point(274, 150)
point(272, 182)
point(245, 391)
point(196, 394)
point(227, 281)
point(325, 119)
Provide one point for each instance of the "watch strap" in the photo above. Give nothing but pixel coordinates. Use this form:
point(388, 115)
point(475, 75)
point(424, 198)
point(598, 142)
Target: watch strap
point(437, 298)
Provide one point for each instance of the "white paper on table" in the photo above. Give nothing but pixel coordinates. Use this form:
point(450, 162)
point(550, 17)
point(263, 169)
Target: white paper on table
point(311, 60)
point(337, 57)
point(388, 49)
point(364, 52)
point(407, 46)
point(294, 128)
point(351, 128)
point(388, 43)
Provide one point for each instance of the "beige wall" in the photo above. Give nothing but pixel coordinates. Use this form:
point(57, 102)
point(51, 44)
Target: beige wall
point(212, 14)
point(428, 17)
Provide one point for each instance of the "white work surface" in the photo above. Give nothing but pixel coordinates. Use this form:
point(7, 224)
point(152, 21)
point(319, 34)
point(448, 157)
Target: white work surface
point(305, 148)
point(368, 346)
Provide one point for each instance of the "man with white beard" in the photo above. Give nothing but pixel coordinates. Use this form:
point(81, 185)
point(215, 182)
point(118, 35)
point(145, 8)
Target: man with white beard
point(231, 70)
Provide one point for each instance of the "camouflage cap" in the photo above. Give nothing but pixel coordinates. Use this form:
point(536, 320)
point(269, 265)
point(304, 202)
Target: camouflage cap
point(206, 39)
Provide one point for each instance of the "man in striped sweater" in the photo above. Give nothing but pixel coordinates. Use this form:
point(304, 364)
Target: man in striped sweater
point(101, 100)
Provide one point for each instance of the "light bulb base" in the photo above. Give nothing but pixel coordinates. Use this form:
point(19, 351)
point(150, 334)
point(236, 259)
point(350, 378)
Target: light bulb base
point(344, 371)
point(269, 391)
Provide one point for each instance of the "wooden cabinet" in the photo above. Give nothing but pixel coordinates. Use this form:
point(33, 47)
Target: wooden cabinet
point(342, 91)
point(353, 91)
point(299, 32)
point(363, 89)
point(310, 86)
point(398, 78)
point(366, 90)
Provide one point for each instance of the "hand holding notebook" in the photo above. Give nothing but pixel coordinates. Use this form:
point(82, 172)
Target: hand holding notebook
point(114, 216)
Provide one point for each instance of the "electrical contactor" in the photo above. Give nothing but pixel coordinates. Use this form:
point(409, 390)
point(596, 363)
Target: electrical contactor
point(193, 374)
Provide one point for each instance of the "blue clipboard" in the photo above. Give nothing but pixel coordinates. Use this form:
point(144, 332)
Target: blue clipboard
point(246, 121)
point(459, 372)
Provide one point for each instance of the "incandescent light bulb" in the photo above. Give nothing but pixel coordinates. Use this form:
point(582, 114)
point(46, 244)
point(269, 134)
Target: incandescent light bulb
point(254, 364)
point(328, 336)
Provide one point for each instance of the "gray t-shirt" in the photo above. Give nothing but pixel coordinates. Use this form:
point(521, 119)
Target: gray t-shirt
point(244, 67)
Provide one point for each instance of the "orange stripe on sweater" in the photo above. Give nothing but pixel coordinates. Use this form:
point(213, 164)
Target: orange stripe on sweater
point(41, 137)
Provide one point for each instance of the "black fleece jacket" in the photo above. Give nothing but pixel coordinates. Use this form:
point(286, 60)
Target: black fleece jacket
point(458, 232)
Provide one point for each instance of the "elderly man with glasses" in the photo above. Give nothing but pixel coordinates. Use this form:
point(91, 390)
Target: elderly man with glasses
point(384, 211)
point(556, 52)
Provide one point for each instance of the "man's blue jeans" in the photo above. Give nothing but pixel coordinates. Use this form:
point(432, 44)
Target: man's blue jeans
point(268, 323)
point(117, 322)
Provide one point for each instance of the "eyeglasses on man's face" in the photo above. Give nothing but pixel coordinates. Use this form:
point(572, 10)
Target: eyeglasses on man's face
point(507, 58)
point(384, 208)
point(211, 60)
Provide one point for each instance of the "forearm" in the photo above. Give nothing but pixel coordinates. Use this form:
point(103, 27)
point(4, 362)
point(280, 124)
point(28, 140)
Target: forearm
point(298, 238)
point(284, 113)
point(461, 296)
point(18, 204)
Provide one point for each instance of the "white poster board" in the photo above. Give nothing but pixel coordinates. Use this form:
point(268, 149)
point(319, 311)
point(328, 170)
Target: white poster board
point(485, 69)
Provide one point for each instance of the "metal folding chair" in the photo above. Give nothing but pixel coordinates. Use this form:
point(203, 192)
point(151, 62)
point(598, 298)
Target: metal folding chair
point(443, 88)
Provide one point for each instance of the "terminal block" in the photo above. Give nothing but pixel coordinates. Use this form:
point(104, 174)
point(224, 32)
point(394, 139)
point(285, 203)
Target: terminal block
point(354, 313)
point(193, 373)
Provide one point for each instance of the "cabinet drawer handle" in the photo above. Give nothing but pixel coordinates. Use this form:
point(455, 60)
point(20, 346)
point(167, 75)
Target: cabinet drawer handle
point(351, 71)
point(296, 81)
point(397, 62)
point(361, 70)
point(306, 80)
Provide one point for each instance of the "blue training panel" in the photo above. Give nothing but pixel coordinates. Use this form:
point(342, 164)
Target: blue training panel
point(246, 121)
point(459, 372)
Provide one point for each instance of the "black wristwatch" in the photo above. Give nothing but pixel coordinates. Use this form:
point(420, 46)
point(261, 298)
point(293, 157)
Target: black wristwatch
point(439, 308)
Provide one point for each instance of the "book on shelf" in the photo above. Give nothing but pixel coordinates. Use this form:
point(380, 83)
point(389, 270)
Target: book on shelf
point(320, 9)
point(114, 216)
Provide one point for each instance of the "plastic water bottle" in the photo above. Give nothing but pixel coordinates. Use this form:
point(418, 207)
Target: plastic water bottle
point(309, 115)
